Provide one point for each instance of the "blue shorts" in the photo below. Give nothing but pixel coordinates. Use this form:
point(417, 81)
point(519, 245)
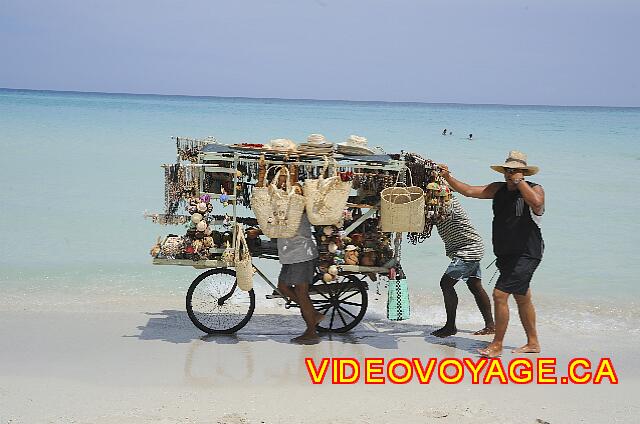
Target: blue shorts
point(460, 269)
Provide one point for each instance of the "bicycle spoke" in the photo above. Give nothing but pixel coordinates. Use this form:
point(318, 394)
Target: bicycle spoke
point(341, 317)
point(322, 308)
point(351, 303)
point(350, 296)
point(333, 314)
point(347, 311)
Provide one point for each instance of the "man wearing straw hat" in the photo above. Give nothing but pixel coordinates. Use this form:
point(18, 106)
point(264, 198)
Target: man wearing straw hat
point(518, 206)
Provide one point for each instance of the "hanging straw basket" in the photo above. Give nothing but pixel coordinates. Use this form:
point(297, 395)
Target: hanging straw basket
point(326, 198)
point(243, 265)
point(402, 208)
point(278, 212)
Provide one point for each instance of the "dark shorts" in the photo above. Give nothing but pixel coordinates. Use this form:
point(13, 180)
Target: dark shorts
point(296, 274)
point(515, 273)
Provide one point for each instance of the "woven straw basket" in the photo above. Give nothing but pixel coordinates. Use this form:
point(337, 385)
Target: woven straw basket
point(326, 198)
point(402, 209)
point(278, 212)
point(243, 265)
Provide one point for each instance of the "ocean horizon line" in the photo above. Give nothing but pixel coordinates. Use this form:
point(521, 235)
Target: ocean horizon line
point(282, 99)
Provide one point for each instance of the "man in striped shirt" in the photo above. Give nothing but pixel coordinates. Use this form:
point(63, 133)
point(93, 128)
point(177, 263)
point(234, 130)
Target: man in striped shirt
point(464, 246)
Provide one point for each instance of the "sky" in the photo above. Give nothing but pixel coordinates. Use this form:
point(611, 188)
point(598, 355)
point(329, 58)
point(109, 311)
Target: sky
point(552, 52)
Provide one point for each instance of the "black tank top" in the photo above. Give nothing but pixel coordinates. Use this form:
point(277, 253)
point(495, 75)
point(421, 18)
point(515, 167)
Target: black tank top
point(514, 230)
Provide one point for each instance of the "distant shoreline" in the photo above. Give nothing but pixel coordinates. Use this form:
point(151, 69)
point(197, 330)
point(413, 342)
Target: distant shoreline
point(344, 101)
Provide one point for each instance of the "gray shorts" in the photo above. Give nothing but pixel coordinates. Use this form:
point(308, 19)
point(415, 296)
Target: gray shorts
point(460, 269)
point(296, 274)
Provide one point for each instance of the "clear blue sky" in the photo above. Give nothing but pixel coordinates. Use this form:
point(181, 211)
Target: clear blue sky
point(465, 51)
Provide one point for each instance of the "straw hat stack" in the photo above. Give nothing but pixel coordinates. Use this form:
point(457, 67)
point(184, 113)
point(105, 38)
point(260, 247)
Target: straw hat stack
point(316, 144)
point(355, 146)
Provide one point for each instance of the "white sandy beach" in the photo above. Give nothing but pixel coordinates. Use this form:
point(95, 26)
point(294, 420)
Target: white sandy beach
point(112, 360)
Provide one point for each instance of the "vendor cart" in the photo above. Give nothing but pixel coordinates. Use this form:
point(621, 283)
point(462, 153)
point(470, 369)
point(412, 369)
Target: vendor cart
point(227, 174)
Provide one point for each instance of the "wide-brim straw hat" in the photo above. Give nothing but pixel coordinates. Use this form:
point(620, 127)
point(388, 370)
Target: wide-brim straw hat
point(355, 144)
point(516, 160)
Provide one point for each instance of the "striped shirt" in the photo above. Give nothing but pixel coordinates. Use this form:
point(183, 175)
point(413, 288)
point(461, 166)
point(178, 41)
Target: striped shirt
point(460, 237)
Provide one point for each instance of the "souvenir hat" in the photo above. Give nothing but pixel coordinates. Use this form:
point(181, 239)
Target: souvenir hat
point(355, 145)
point(281, 144)
point(516, 160)
point(316, 139)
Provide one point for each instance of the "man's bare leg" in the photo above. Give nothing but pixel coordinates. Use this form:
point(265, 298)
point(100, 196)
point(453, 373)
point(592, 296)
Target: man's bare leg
point(450, 305)
point(501, 305)
point(287, 291)
point(527, 313)
point(309, 314)
point(484, 304)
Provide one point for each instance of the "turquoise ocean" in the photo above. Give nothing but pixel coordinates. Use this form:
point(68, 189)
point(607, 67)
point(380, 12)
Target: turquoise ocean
point(77, 171)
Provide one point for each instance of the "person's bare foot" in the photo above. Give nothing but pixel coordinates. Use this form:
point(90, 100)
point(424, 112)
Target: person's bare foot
point(493, 350)
point(489, 329)
point(445, 332)
point(306, 338)
point(528, 348)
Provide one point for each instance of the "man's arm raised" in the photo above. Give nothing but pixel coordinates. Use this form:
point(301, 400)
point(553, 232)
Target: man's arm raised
point(478, 192)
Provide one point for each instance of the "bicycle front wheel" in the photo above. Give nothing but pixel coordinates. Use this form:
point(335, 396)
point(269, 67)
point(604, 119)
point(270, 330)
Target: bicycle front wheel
point(216, 305)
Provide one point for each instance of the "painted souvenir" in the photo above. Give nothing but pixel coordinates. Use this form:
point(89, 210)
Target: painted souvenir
point(433, 186)
point(357, 238)
point(351, 255)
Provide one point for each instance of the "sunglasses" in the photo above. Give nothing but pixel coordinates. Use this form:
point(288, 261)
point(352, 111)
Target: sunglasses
point(512, 170)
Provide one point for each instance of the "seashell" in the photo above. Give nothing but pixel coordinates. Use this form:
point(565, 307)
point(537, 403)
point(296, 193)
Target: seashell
point(201, 226)
point(202, 207)
point(332, 248)
point(327, 278)
point(328, 230)
point(196, 218)
point(333, 270)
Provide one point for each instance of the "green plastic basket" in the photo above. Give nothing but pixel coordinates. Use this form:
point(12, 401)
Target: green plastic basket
point(398, 305)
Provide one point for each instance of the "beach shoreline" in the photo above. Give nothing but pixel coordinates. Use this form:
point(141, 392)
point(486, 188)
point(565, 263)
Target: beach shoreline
point(111, 361)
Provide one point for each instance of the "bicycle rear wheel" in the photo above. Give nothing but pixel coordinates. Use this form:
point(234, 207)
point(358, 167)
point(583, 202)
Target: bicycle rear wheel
point(343, 302)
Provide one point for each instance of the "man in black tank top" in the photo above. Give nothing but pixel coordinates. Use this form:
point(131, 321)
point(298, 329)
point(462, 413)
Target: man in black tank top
point(518, 206)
